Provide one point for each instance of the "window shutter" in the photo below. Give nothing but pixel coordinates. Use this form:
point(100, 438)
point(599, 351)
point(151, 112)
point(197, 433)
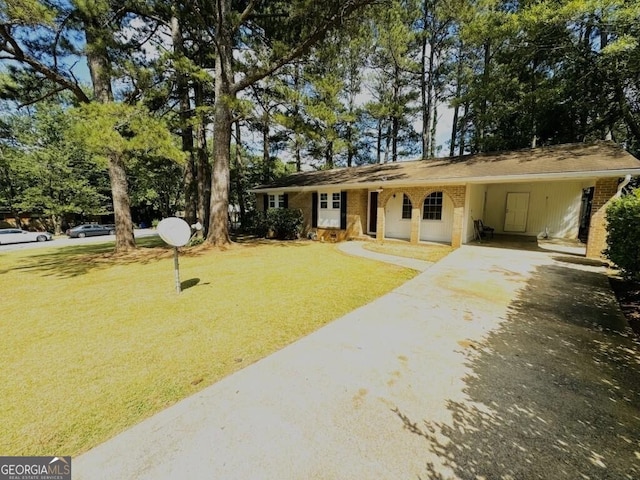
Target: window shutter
point(314, 210)
point(266, 202)
point(343, 210)
point(286, 200)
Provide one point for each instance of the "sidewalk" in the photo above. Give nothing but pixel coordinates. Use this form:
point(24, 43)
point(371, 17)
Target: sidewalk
point(357, 248)
point(453, 375)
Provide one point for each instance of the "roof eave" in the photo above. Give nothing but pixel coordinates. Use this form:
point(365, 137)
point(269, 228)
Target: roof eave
point(454, 181)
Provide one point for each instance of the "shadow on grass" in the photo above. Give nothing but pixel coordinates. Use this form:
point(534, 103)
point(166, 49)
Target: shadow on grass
point(255, 241)
point(192, 282)
point(78, 260)
point(554, 393)
point(73, 261)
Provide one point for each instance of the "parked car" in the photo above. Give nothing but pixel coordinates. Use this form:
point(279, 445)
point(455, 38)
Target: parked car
point(91, 230)
point(15, 235)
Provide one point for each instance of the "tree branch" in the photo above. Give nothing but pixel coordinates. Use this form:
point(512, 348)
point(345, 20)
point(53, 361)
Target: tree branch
point(18, 55)
point(43, 97)
point(303, 47)
point(244, 16)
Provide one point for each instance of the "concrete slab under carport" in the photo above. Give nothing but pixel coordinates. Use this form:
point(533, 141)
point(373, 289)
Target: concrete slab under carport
point(531, 243)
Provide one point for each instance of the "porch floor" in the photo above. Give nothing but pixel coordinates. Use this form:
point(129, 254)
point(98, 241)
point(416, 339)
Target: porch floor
point(513, 242)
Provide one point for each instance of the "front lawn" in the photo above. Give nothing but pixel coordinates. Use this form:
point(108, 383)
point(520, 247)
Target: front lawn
point(93, 343)
point(429, 252)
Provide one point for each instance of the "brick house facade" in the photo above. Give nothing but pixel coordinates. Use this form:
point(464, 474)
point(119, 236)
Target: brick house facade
point(550, 191)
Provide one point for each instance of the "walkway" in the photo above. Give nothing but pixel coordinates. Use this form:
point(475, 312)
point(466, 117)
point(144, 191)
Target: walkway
point(490, 364)
point(357, 248)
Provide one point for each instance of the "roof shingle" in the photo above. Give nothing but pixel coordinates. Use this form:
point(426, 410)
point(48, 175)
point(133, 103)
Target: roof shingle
point(566, 160)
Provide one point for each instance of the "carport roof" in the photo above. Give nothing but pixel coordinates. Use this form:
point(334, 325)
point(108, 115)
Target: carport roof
point(595, 160)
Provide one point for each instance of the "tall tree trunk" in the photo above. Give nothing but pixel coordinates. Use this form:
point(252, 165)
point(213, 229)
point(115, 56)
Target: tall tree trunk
point(395, 123)
point(456, 108)
point(297, 138)
point(379, 142)
point(434, 128)
point(534, 104)
point(423, 89)
point(240, 175)
point(218, 233)
point(203, 167)
point(328, 155)
point(186, 130)
point(100, 71)
point(463, 129)
point(482, 124)
point(454, 130)
point(427, 86)
point(387, 142)
point(267, 168)
point(623, 105)
point(297, 153)
point(350, 148)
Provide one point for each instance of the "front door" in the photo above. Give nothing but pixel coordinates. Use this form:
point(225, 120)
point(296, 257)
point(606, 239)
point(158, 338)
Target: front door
point(373, 212)
point(515, 219)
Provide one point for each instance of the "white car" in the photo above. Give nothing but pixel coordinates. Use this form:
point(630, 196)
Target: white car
point(15, 235)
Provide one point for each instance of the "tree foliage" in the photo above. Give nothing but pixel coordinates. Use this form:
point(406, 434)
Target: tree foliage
point(623, 234)
point(320, 84)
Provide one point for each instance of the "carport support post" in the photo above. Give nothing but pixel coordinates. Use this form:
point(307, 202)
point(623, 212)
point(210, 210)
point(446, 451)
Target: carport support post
point(176, 269)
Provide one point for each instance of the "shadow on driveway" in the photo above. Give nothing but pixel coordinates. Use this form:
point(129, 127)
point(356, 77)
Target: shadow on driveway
point(554, 392)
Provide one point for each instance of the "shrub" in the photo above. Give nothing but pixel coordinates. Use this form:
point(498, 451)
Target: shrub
point(195, 241)
point(623, 234)
point(285, 223)
point(255, 222)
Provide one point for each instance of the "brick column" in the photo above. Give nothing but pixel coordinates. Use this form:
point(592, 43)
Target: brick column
point(458, 221)
point(604, 190)
point(380, 222)
point(415, 223)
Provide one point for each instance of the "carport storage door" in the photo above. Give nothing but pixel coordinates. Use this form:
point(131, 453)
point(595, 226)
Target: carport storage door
point(515, 219)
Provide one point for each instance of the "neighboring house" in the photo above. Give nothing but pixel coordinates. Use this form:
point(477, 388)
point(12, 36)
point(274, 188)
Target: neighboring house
point(558, 191)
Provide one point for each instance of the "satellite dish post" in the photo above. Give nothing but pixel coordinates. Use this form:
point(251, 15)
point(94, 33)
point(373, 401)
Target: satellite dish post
point(176, 269)
point(175, 232)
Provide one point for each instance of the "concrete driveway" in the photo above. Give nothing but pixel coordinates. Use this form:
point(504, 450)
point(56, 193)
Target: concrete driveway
point(491, 364)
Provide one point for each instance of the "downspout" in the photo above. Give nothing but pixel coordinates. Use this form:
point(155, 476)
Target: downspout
point(623, 184)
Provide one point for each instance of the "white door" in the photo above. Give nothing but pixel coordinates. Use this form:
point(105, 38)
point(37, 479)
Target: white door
point(515, 219)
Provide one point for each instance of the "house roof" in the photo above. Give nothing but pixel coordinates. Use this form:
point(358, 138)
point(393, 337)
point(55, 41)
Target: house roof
point(596, 160)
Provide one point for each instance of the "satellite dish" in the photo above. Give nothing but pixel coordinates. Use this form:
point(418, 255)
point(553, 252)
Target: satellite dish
point(174, 231)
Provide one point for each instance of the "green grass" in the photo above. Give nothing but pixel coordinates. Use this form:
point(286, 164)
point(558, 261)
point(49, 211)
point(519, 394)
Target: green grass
point(431, 252)
point(93, 342)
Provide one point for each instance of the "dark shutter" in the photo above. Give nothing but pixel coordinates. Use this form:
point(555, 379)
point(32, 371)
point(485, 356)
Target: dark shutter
point(373, 212)
point(286, 200)
point(314, 210)
point(266, 202)
point(343, 210)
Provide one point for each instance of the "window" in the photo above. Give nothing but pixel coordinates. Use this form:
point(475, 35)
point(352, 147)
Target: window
point(335, 200)
point(324, 203)
point(329, 203)
point(276, 201)
point(432, 208)
point(406, 207)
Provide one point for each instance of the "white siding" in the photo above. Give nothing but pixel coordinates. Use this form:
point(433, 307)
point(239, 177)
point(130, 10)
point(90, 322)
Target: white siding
point(395, 225)
point(438, 230)
point(554, 206)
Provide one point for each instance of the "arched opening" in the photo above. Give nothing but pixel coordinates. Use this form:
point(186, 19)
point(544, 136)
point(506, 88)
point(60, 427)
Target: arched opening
point(436, 224)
